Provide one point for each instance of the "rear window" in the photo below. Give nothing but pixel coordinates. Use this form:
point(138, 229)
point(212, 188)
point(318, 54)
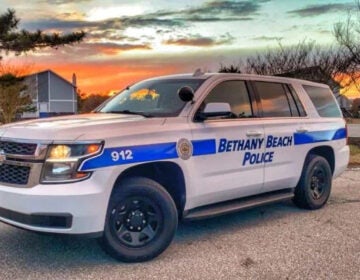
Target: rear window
point(273, 98)
point(324, 102)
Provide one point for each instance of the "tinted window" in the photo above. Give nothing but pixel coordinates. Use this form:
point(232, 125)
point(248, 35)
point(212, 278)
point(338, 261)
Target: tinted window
point(298, 103)
point(234, 93)
point(157, 97)
point(293, 109)
point(324, 102)
point(273, 98)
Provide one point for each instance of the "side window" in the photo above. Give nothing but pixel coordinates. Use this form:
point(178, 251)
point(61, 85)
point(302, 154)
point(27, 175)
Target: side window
point(274, 100)
point(298, 103)
point(324, 102)
point(235, 93)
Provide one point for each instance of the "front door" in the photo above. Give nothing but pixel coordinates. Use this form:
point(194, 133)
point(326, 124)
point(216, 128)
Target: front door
point(228, 152)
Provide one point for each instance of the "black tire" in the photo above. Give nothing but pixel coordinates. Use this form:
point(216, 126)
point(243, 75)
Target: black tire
point(141, 221)
point(314, 187)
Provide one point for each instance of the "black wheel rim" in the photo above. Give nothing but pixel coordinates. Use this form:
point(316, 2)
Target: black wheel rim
point(318, 182)
point(135, 221)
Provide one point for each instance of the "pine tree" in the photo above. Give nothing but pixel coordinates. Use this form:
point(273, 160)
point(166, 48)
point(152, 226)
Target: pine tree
point(20, 41)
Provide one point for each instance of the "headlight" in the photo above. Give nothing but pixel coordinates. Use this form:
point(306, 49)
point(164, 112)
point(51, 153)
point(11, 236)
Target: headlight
point(63, 160)
point(60, 152)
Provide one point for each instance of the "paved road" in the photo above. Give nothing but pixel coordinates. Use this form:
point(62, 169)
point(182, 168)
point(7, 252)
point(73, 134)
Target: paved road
point(354, 130)
point(271, 242)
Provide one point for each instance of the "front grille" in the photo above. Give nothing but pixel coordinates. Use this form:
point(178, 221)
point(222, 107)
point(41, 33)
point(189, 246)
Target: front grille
point(15, 148)
point(14, 174)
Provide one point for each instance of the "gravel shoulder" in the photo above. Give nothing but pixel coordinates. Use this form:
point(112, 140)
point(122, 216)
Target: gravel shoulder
point(278, 241)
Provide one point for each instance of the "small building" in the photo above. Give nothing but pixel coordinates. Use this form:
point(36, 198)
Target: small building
point(52, 94)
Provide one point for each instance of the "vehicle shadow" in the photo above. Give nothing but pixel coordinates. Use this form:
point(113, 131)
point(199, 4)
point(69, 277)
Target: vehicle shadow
point(32, 250)
point(192, 230)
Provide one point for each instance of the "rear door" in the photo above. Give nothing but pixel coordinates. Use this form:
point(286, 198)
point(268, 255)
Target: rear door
point(283, 116)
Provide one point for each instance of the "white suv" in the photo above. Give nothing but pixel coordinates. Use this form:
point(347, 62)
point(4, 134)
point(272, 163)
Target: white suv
point(182, 146)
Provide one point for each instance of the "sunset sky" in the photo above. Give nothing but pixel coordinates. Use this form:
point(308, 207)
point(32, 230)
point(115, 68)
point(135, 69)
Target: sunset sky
point(131, 40)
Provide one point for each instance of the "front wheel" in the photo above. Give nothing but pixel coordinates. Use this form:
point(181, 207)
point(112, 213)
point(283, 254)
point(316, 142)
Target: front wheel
point(141, 221)
point(314, 187)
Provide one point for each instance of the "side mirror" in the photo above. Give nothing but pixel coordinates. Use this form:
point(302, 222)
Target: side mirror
point(186, 94)
point(215, 109)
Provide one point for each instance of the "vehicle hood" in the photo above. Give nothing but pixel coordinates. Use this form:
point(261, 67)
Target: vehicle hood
point(81, 127)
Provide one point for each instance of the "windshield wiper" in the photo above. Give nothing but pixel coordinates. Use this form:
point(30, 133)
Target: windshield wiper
point(128, 112)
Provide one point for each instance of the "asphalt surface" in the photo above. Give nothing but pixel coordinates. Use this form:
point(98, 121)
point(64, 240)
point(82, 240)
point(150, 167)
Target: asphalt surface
point(271, 242)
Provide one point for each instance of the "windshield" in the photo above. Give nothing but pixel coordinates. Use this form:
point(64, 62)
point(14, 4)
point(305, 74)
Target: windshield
point(152, 98)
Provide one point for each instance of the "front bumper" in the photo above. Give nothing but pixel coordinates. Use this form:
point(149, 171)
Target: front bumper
point(74, 208)
point(49, 220)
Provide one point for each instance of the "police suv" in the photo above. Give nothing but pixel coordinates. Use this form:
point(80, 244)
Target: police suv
point(170, 148)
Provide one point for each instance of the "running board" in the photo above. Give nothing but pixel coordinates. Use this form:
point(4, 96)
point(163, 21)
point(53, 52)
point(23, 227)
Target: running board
point(231, 206)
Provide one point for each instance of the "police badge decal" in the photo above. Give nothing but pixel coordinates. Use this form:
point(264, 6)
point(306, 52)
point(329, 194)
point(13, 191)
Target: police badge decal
point(184, 149)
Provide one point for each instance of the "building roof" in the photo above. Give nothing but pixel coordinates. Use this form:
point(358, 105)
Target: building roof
point(53, 73)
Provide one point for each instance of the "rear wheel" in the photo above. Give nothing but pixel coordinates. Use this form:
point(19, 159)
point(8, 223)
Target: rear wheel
point(141, 221)
point(314, 187)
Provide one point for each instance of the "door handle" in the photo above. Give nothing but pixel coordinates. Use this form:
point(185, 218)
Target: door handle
point(254, 134)
point(302, 130)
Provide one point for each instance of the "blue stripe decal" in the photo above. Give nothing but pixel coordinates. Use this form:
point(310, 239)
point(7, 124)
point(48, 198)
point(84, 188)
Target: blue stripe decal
point(204, 147)
point(319, 136)
point(131, 154)
point(152, 152)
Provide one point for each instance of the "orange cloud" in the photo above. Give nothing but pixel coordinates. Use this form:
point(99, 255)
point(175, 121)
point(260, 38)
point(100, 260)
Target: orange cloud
point(111, 49)
point(104, 78)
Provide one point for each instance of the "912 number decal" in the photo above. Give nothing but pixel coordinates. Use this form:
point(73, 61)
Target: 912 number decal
point(122, 155)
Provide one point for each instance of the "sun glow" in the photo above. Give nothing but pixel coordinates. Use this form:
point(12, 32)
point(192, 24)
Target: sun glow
point(100, 13)
point(351, 86)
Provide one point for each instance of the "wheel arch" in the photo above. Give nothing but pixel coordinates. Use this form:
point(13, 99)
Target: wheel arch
point(166, 173)
point(326, 152)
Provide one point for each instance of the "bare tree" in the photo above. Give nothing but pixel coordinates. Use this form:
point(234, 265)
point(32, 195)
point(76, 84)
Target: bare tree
point(280, 60)
point(306, 60)
point(347, 34)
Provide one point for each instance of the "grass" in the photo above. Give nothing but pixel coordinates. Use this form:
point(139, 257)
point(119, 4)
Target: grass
point(354, 155)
